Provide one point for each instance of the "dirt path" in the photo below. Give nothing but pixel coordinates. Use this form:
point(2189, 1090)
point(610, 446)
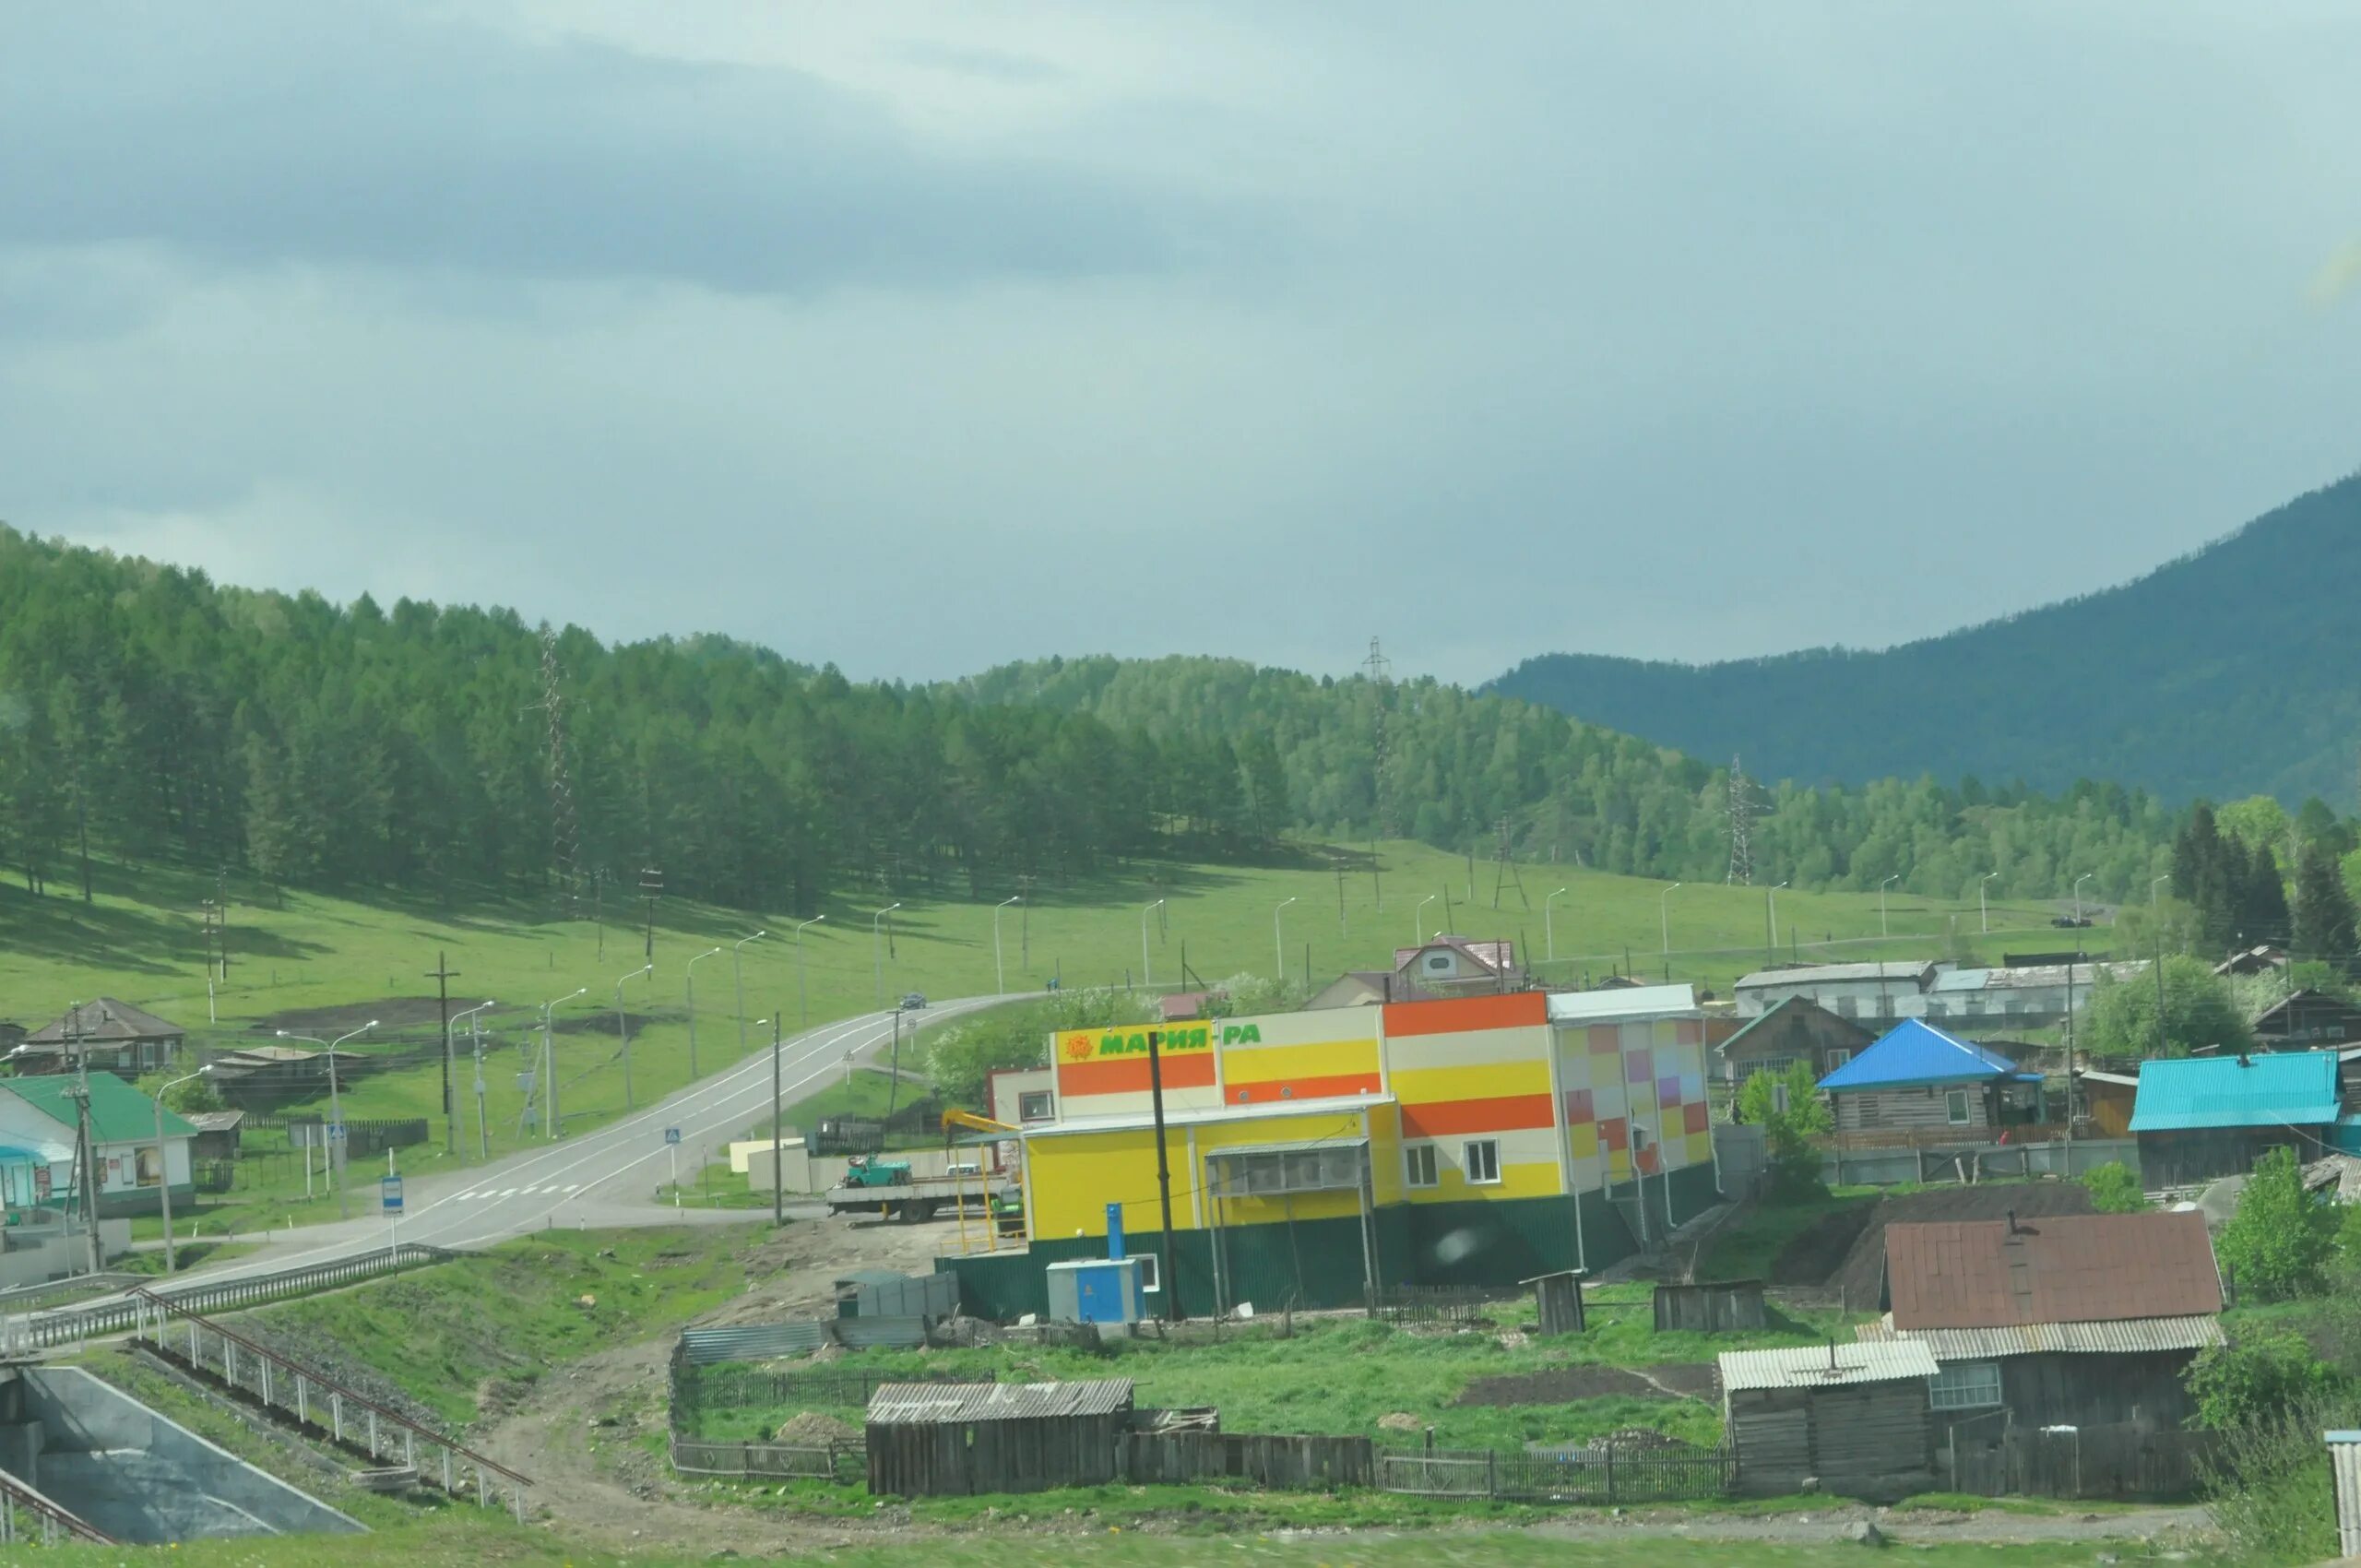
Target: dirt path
point(1917, 1526)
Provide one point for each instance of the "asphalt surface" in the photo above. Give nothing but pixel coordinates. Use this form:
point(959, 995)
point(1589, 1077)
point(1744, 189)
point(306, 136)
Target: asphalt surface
point(607, 1177)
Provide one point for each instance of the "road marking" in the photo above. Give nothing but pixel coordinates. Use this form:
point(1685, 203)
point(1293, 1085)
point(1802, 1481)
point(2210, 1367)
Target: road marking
point(509, 1194)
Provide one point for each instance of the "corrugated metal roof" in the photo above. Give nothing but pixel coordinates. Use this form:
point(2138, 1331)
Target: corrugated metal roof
point(1623, 1001)
point(105, 1022)
point(1915, 1052)
point(924, 1403)
point(1826, 1367)
point(2056, 1269)
point(1912, 970)
point(2276, 1090)
point(2116, 1336)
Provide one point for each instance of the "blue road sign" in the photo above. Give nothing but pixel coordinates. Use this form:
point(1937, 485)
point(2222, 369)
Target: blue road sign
point(390, 1191)
point(336, 1131)
point(671, 1134)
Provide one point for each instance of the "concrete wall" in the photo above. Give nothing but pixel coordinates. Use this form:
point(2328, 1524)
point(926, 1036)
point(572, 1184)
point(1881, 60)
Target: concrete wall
point(1887, 1167)
point(141, 1478)
point(35, 1258)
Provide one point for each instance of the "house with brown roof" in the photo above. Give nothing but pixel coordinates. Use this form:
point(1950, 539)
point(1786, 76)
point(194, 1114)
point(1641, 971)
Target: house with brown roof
point(2066, 1321)
point(109, 1035)
point(1450, 965)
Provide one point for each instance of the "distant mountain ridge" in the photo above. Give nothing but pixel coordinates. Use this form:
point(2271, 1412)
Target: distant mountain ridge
point(2232, 671)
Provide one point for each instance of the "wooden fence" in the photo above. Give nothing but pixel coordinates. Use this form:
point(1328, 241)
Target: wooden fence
point(2121, 1461)
point(1454, 1306)
point(843, 1463)
point(1605, 1475)
point(1273, 1463)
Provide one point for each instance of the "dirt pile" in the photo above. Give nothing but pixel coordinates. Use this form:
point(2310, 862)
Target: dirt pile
point(814, 1429)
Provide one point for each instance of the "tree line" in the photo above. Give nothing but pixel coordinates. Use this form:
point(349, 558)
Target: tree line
point(150, 715)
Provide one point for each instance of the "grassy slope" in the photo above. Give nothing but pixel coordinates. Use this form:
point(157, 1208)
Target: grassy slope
point(139, 941)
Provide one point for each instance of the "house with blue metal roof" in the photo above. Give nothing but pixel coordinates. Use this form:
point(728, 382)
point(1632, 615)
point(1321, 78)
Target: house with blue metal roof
point(1916, 1077)
point(2201, 1117)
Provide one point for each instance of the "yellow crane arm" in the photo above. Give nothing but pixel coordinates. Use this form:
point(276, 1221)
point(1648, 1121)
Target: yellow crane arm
point(953, 1120)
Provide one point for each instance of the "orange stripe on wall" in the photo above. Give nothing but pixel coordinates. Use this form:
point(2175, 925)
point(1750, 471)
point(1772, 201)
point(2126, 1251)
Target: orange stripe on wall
point(1260, 1092)
point(1462, 1015)
point(1451, 1116)
point(1129, 1074)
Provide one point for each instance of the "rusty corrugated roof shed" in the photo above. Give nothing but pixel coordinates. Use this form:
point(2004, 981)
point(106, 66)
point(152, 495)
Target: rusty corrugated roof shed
point(2118, 1336)
point(937, 1404)
point(2065, 1268)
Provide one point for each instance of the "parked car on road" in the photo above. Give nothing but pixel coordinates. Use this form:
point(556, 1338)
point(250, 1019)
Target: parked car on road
point(913, 1002)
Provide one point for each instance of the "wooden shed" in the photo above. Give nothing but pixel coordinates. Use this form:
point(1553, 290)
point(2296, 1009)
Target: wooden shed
point(1854, 1418)
point(957, 1440)
point(1728, 1306)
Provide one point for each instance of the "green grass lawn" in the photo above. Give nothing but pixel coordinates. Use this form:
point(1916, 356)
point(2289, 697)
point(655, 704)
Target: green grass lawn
point(294, 958)
point(1343, 1375)
point(1747, 1246)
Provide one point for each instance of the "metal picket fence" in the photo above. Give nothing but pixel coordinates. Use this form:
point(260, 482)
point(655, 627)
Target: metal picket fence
point(1607, 1474)
point(69, 1325)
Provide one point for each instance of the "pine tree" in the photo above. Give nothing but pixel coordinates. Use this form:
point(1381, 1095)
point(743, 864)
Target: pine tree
point(2262, 899)
point(2324, 913)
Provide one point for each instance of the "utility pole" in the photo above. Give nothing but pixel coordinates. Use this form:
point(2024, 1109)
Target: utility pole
point(651, 887)
point(443, 974)
point(623, 1025)
point(778, 1133)
point(1163, 1173)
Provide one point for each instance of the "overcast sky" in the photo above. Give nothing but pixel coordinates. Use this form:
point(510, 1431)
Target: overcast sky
point(923, 337)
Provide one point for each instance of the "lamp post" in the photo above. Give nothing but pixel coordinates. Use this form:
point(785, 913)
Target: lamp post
point(877, 948)
point(1882, 929)
point(549, 1064)
point(164, 1165)
point(1984, 911)
point(1773, 892)
point(475, 1033)
point(335, 1161)
point(803, 997)
point(1279, 943)
point(738, 983)
point(2078, 898)
point(2154, 883)
point(1419, 924)
point(1000, 980)
point(689, 972)
point(778, 1139)
point(1548, 932)
point(1663, 916)
point(1145, 978)
point(622, 1025)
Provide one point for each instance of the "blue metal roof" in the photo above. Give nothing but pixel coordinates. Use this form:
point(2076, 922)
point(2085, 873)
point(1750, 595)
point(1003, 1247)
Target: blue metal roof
point(2268, 1089)
point(1914, 1052)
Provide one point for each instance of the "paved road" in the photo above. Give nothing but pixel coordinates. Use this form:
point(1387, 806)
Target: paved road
point(607, 1177)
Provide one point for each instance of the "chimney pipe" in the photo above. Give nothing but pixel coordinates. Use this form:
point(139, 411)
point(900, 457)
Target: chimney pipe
point(2013, 1222)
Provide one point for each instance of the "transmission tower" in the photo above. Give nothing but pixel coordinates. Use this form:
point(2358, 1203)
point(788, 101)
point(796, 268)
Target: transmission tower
point(1377, 665)
point(1507, 870)
point(1742, 809)
point(564, 834)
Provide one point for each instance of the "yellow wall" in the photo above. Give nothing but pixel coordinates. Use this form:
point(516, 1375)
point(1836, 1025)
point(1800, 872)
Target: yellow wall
point(1075, 1176)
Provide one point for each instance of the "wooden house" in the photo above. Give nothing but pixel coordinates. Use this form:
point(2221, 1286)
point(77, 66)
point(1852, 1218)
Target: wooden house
point(2102, 1103)
point(2201, 1117)
point(2308, 1020)
point(2081, 1320)
point(1917, 1079)
point(1795, 1029)
point(106, 1035)
point(1854, 1418)
point(957, 1440)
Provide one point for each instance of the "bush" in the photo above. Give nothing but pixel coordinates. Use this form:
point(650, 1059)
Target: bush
point(1788, 1132)
point(959, 1058)
point(2237, 1384)
point(2114, 1190)
point(2280, 1242)
point(2268, 1487)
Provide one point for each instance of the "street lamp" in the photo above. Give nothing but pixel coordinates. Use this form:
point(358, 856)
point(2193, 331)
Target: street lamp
point(689, 972)
point(1416, 924)
point(1888, 882)
point(475, 1033)
point(877, 948)
point(549, 1064)
point(164, 1164)
point(622, 1025)
point(2154, 883)
point(336, 1111)
point(1549, 933)
point(1280, 943)
point(779, 1137)
point(1000, 980)
point(802, 997)
point(1773, 892)
point(1663, 916)
point(738, 983)
point(1145, 978)
point(2078, 898)
point(1984, 911)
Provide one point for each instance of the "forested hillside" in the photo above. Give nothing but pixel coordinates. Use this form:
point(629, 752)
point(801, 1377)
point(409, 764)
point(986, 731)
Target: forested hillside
point(2226, 672)
point(148, 715)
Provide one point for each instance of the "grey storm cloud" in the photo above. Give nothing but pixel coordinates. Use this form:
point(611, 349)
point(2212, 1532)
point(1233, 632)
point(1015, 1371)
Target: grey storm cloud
point(253, 135)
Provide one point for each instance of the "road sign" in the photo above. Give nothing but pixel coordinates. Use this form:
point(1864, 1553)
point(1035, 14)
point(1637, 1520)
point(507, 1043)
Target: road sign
point(671, 1134)
point(389, 1192)
point(336, 1131)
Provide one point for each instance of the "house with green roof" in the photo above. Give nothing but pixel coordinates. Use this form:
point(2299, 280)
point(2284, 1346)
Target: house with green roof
point(38, 1116)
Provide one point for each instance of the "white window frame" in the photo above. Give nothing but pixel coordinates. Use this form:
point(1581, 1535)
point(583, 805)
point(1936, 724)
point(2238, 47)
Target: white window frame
point(1487, 1161)
point(1151, 1272)
point(1837, 1056)
point(1418, 1161)
point(1957, 1111)
point(1026, 1098)
point(1965, 1385)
